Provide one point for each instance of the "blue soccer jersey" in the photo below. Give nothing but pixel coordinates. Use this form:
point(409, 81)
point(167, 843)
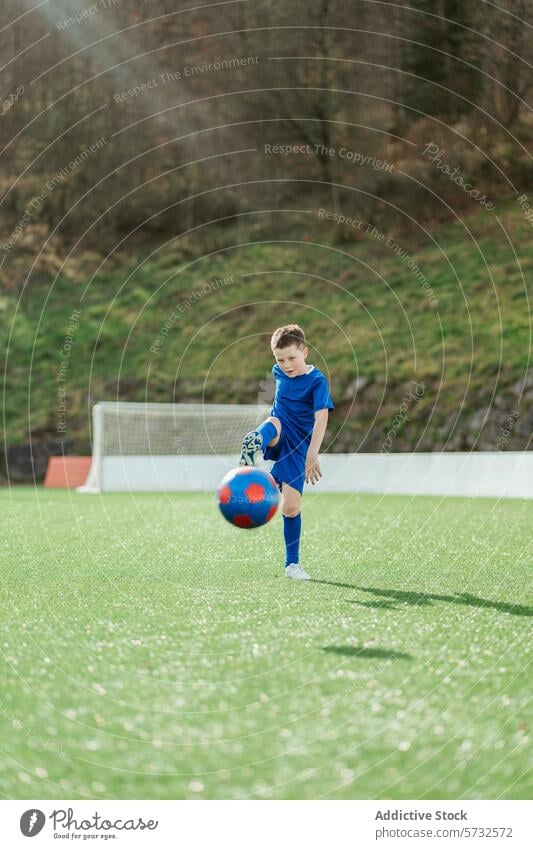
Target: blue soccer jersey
point(296, 401)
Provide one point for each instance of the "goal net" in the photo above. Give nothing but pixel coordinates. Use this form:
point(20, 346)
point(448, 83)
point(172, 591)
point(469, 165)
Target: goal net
point(166, 447)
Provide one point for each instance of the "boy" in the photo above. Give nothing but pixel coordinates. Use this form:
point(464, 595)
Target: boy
point(293, 433)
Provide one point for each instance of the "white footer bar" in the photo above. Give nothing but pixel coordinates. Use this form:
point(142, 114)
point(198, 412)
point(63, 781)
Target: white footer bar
point(242, 824)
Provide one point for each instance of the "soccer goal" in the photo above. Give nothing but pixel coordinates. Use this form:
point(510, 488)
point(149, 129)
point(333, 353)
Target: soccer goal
point(166, 447)
point(190, 447)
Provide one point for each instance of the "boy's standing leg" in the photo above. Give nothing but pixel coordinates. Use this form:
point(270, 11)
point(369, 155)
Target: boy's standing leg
point(291, 501)
point(268, 435)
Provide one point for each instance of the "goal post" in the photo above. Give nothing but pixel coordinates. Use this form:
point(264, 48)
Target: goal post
point(190, 447)
point(148, 447)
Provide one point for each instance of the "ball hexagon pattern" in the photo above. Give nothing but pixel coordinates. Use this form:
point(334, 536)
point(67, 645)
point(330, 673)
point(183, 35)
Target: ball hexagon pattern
point(248, 497)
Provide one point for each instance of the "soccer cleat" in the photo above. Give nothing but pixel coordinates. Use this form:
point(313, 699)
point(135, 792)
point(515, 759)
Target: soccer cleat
point(295, 571)
point(252, 445)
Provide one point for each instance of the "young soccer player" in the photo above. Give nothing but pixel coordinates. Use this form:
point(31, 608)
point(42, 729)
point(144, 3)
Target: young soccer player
point(293, 433)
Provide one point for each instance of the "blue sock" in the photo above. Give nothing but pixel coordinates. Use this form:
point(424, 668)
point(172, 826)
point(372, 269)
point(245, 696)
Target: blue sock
point(268, 431)
point(292, 528)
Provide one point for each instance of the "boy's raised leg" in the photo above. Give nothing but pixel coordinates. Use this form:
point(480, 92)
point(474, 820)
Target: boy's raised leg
point(256, 441)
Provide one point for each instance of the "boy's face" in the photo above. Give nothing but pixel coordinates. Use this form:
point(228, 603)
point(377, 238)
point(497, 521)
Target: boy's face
point(291, 360)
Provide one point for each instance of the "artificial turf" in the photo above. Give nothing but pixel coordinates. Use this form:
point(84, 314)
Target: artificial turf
point(150, 650)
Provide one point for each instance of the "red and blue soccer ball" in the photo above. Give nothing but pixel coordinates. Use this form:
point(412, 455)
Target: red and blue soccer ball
point(248, 497)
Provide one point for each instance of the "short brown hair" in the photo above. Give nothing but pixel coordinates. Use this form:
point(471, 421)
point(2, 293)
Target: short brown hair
point(290, 334)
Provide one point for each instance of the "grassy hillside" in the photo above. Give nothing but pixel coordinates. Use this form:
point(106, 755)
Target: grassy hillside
point(446, 307)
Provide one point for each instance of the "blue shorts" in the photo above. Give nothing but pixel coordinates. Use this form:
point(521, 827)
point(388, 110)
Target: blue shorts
point(289, 454)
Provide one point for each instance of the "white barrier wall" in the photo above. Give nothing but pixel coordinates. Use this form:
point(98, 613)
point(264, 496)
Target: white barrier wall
point(506, 474)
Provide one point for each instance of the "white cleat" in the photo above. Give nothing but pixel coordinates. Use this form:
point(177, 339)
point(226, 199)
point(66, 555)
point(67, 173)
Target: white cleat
point(252, 445)
point(295, 571)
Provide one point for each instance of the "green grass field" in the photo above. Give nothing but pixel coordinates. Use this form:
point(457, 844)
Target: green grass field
point(150, 650)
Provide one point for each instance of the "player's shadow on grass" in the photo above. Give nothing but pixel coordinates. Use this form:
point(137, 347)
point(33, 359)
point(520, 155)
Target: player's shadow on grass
point(380, 604)
point(408, 597)
point(457, 598)
point(361, 651)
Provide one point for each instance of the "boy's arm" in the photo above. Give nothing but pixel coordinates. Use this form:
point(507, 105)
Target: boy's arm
point(312, 466)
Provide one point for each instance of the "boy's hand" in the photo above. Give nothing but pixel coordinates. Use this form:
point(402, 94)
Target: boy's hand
point(312, 468)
